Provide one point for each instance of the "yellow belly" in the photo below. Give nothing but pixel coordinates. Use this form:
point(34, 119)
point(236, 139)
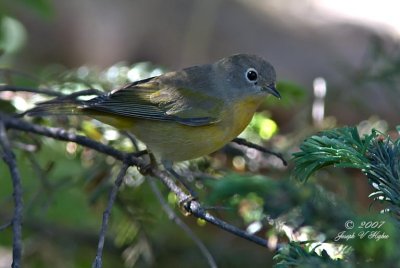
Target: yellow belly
point(176, 142)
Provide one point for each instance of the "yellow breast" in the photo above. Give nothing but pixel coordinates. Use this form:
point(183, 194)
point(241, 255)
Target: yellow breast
point(242, 114)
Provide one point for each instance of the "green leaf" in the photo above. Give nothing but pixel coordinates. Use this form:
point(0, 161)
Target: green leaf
point(296, 254)
point(376, 155)
point(342, 147)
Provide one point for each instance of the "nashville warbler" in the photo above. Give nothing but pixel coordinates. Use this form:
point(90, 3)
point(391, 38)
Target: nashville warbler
point(184, 114)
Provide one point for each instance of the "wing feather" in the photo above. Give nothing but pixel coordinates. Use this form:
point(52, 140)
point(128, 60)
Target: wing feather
point(154, 100)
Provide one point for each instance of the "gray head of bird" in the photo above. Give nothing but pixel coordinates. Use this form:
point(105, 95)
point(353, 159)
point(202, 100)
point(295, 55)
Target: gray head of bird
point(247, 75)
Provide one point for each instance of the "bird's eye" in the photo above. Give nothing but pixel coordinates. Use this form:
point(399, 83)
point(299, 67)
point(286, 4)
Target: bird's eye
point(251, 75)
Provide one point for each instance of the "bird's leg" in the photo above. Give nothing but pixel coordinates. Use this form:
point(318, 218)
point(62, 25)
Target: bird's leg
point(141, 153)
point(145, 170)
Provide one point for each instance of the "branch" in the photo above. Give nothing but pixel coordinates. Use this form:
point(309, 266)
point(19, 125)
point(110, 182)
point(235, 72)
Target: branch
point(172, 216)
point(61, 134)
point(86, 92)
point(259, 148)
point(199, 212)
point(5, 225)
point(9, 158)
point(47, 92)
point(97, 263)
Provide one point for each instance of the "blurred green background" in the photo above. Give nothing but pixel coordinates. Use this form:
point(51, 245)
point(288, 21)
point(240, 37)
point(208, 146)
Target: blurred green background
point(335, 68)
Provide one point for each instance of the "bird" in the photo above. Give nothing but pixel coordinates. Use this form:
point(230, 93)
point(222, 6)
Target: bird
point(181, 115)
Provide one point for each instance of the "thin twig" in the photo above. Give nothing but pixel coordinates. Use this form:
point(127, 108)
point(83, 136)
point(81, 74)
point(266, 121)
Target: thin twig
point(132, 139)
point(50, 92)
point(86, 92)
point(172, 216)
point(5, 225)
point(181, 180)
point(244, 142)
point(47, 92)
point(9, 158)
point(208, 208)
point(97, 263)
point(195, 208)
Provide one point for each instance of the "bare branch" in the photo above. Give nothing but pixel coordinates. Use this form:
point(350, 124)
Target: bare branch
point(181, 180)
point(172, 216)
point(86, 92)
point(97, 263)
point(259, 148)
point(5, 225)
point(47, 92)
point(9, 158)
point(198, 211)
point(61, 134)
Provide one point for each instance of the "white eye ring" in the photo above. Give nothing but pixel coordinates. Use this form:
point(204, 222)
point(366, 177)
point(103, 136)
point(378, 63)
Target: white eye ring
point(251, 75)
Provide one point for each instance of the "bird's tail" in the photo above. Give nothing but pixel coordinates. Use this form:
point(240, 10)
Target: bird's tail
point(59, 106)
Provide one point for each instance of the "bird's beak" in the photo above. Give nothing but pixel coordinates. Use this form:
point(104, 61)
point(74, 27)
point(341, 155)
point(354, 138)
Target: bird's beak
point(271, 89)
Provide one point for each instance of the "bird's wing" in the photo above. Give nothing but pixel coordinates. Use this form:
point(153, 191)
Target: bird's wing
point(154, 100)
